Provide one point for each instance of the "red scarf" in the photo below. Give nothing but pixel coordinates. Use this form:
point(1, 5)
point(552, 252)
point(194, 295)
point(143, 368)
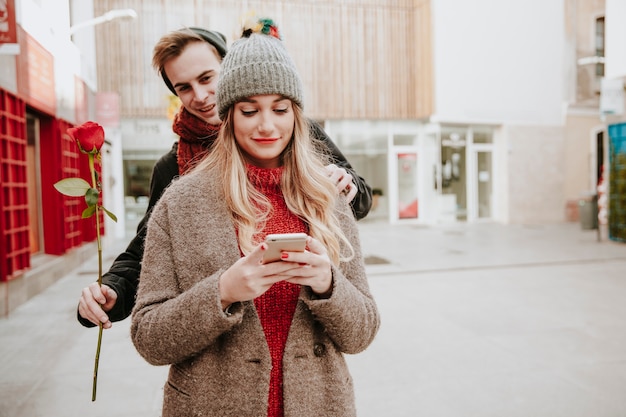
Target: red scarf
point(196, 137)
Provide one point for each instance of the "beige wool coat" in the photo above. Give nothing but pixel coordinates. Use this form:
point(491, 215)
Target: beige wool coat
point(220, 364)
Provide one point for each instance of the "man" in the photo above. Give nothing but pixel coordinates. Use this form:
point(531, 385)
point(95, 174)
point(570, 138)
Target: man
point(189, 62)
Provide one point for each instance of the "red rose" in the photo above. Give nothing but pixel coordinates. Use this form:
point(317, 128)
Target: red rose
point(89, 136)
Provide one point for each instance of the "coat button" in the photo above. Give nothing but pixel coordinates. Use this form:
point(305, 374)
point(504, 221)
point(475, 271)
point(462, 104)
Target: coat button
point(319, 350)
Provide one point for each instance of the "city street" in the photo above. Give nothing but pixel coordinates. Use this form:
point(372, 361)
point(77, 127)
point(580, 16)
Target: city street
point(478, 320)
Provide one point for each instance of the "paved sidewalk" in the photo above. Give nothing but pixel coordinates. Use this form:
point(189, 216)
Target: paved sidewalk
point(477, 320)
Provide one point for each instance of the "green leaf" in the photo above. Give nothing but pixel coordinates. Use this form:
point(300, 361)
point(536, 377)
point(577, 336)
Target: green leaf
point(89, 211)
point(73, 187)
point(111, 215)
point(91, 197)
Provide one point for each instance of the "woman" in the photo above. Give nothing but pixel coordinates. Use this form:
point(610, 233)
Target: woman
point(245, 338)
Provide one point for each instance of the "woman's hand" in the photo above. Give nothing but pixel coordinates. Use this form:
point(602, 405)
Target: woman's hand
point(249, 278)
point(314, 268)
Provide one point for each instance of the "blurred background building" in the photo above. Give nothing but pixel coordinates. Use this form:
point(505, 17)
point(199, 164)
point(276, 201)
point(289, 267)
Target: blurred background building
point(452, 110)
point(487, 110)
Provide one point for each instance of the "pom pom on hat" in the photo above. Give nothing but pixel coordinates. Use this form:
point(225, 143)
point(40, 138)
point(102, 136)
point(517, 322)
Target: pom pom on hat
point(257, 64)
point(263, 25)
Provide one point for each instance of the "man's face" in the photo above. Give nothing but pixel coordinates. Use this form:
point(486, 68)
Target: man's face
point(194, 75)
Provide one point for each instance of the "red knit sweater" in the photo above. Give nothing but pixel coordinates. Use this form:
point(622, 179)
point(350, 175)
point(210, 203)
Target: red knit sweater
point(277, 306)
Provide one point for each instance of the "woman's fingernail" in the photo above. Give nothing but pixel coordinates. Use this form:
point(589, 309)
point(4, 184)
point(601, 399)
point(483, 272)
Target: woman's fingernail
point(284, 255)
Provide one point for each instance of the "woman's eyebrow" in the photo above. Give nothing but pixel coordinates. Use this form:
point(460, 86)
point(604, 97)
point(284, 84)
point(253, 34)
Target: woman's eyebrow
point(251, 100)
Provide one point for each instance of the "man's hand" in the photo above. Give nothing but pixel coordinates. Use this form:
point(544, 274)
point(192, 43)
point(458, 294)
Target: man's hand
point(94, 302)
point(343, 180)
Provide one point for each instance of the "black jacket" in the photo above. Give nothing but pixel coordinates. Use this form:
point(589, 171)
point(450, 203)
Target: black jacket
point(123, 276)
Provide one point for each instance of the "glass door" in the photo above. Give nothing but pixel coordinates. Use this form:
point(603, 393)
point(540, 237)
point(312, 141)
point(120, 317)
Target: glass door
point(484, 184)
point(34, 184)
point(480, 174)
point(407, 185)
point(453, 170)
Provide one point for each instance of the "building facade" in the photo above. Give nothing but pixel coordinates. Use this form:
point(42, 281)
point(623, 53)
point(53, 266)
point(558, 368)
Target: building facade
point(596, 44)
point(451, 110)
point(45, 88)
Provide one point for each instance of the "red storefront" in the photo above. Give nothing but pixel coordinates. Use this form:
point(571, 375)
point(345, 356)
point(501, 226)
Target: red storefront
point(35, 153)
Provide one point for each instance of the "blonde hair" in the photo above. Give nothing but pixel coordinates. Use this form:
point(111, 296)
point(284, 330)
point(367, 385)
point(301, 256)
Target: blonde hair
point(307, 189)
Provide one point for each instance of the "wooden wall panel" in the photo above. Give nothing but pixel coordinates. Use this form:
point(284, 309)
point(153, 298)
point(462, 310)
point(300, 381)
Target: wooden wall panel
point(358, 59)
point(423, 95)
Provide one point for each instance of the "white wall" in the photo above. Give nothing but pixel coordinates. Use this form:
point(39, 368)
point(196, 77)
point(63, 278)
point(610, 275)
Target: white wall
point(153, 136)
point(499, 61)
point(615, 39)
point(48, 24)
point(113, 183)
point(536, 174)
point(85, 41)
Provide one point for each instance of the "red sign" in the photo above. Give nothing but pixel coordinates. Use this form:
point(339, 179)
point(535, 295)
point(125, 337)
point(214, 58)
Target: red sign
point(8, 29)
point(35, 74)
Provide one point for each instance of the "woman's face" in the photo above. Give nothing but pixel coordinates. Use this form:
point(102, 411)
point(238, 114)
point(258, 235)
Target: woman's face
point(263, 126)
point(194, 75)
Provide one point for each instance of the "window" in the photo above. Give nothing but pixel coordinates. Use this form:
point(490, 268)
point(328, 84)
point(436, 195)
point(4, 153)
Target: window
point(600, 45)
point(137, 177)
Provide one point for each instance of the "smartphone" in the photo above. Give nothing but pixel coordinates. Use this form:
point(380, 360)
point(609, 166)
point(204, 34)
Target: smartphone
point(277, 243)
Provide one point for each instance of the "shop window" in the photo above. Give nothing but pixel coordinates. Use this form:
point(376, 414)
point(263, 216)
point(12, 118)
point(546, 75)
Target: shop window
point(404, 140)
point(482, 135)
point(137, 178)
point(137, 174)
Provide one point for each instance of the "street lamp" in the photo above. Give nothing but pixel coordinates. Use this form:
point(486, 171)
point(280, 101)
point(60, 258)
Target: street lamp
point(107, 17)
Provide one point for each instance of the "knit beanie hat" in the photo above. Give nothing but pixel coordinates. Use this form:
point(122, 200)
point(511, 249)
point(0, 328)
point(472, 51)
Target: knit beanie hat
point(257, 64)
point(213, 37)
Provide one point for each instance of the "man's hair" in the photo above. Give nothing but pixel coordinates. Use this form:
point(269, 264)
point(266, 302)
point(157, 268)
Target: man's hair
point(173, 44)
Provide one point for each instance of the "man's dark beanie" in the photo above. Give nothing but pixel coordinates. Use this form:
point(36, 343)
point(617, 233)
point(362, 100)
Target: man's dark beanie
point(211, 36)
